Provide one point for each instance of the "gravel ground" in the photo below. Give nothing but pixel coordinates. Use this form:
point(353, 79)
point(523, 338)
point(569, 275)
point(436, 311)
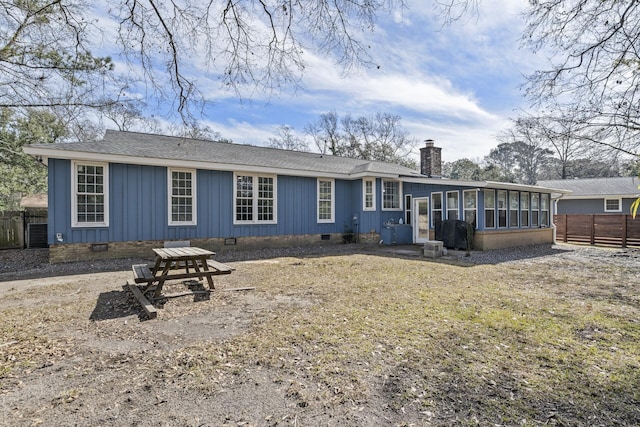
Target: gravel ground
point(32, 263)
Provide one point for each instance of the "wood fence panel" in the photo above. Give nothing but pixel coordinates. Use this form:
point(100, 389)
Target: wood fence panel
point(607, 229)
point(633, 231)
point(11, 230)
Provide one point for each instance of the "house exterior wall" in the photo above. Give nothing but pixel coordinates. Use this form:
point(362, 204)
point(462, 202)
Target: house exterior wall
point(589, 206)
point(138, 214)
point(138, 211)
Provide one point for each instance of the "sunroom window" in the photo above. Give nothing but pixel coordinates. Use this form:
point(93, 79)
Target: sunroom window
point(470, 206)
point(489, 209)
point(453, 204)
point(436, 209)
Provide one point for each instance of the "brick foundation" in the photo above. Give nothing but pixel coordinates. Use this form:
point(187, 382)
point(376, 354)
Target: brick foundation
point(487, 240)
point(143, 249)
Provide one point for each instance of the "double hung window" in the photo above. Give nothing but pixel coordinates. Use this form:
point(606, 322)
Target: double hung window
point(182, 200)
point(90, 195)
point(326, 200)
point(369, 194)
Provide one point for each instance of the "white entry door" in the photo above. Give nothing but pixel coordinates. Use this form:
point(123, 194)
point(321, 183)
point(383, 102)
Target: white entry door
point(421, 220)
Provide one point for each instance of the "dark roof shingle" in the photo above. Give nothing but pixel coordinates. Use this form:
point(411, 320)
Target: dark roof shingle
point(141, 145)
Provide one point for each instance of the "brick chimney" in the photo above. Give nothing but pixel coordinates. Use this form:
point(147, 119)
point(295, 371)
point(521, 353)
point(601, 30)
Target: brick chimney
point(431, 160)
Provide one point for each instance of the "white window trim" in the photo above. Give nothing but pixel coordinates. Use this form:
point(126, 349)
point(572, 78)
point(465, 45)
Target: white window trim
point(408, 206)
point(364, 194)
point(74, 194)
point(333, 201)
point(549, 220)
point(527, 197)
point(511, 210)
point(505, 209)
point(613, 210)
point(255, 198)
point(493, 208)
point(475, 209)
point(433, 209)
point(194, 198)
point(536, 197)
point(457, 208)
point(400, 197)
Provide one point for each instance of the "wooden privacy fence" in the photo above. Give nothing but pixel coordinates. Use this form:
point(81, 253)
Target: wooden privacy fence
point(605, 229)
point(23, 230)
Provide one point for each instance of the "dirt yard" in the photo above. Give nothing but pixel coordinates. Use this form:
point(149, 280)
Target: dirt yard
point(543, 336)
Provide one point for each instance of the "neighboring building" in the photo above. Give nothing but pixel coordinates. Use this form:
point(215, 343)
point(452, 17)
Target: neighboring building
point(595, 195)
point(131, 192)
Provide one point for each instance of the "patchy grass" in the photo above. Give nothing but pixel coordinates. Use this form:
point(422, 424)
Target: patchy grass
point(485, 344)
point(395, 341)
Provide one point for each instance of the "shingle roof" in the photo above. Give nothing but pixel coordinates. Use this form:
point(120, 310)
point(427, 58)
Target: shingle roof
point(581, 188)
point(148, 146)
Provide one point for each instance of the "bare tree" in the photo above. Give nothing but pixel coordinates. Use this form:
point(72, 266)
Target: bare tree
point(594, 76)
point(524, 152)
point(128, 115)
point(197, 130)
point(45, 46)
point(45, 56)
point(377, 137)
point(286, 139)
point(325, 134)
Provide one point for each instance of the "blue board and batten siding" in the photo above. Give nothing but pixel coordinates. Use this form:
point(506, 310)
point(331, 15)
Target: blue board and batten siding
point(138, 206)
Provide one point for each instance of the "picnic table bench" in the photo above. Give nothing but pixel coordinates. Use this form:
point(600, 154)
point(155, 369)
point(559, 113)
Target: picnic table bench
point(173, 264)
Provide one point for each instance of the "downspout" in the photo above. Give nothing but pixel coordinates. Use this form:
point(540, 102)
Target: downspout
point(553, 213)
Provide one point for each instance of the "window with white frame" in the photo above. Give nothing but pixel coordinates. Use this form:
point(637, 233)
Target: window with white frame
point(369, 194)
point(90, 206)
point(535, 209)
point(255, 199)
point(514, 208)
point(544, 210)
point(436, 209)
point(524, 209)
point(453, 205)
point(407, 208)
point(182, 197)
point(613, 205)
point(470, 201)
point(326, 200)
point(489, 209)
point(502, 208)
point(391, 195)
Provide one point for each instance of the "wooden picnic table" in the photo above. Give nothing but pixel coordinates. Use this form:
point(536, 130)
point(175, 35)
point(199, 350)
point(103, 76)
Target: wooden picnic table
point(174, 264)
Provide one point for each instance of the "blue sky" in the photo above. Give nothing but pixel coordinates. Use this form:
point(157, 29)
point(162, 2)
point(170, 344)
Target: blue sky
point(457, 85)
